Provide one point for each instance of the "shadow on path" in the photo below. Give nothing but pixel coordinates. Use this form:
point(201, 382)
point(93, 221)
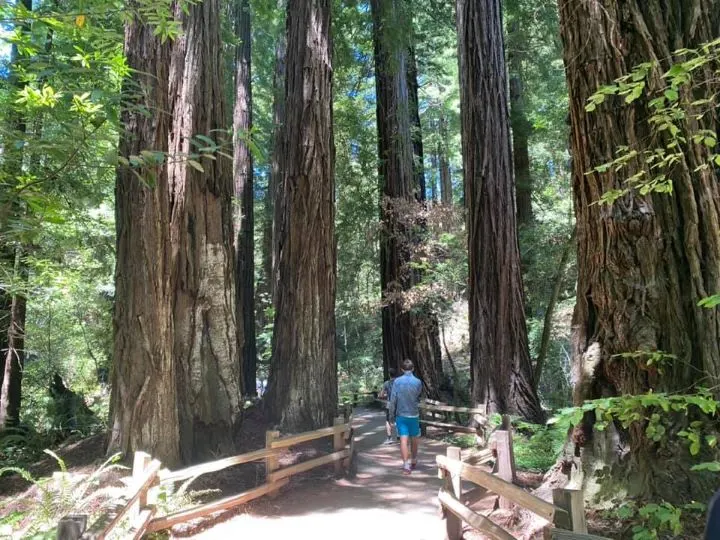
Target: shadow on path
point(379, 502)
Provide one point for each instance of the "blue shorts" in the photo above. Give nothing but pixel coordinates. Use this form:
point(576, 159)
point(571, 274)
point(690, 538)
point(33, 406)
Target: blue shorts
point(407, 426)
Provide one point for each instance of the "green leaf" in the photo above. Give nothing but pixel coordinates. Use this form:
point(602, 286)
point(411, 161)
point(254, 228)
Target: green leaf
point(195, 165)
point(711, 466)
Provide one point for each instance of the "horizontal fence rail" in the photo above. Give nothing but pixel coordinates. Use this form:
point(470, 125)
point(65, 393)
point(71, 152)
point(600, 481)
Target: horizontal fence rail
point(138, 501)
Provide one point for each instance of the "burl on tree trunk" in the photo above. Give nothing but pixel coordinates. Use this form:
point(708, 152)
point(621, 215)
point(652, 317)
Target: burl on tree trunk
point(644, 262)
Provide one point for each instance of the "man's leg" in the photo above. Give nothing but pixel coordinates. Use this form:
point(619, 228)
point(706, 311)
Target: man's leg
point(404, 451)
point(414, 442)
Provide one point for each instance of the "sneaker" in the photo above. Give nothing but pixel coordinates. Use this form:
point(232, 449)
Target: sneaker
point(388, 441)
point(407, 470)
point(413, 466)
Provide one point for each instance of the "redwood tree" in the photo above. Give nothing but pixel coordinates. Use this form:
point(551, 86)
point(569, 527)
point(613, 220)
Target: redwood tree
point(176, 377)
point(501, 369)
point(206, 346)
point(244, 199)
point(644, 262)
point(302, 391)
point(143, 408)
point(408, 331)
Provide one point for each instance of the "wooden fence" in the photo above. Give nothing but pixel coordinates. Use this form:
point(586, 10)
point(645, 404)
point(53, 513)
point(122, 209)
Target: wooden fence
point(139, 503)
point(449, 417)
point(566, 513)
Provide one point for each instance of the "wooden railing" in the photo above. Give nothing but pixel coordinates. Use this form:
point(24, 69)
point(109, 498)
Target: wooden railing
point(437, 414)
point(566, 513)
point(139, 501)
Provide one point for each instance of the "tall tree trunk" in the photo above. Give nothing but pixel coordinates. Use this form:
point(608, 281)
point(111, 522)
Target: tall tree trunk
point(501, 370)
point(143, 406)
point(244, 200)
point(521, 130)
point(176, 378)
point(416, 126)
point(646, 261)
point(273, 201)
point(444, 163)
point(434, 165)
point(12, 343)
point(407, 333)
point(12, 296)
point(206, 344)
point(303, 380)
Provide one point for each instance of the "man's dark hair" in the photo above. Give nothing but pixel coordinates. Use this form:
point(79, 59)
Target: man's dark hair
point(392, 372)
point(407, 365)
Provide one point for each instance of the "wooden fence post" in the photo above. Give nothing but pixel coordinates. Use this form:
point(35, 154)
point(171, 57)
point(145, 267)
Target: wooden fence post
point(141, 460)
point(339, 444)
point(453, 483)
point(573, 502)
point(271, 462)
point(505, 461)
point(71, 527)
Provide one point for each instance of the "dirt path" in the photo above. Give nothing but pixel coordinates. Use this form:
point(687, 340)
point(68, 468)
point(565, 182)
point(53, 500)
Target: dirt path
point(379, 503)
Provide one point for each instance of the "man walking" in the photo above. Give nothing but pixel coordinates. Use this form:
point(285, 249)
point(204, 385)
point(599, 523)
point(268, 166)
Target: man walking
point(386, 393)
point(404, 411)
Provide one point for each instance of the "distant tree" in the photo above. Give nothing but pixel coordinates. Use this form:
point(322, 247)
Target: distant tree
point(245, 198)
point(302, 392)
point(501, 370)
point(408, 331)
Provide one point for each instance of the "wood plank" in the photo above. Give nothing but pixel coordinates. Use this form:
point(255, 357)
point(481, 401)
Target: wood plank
point(452, 409)
point(213, 466)
point(474, 495)
point(107, 522)
point(291, 440)
point(475, 520)
point(505, 489)
point(451, 427)
point(479, 458)
point(573, 502)
point(308, 465)
point(140, 525)
point(165, 522)
point(560, 534)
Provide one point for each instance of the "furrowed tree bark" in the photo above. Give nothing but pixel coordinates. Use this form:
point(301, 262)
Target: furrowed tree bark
point(444, 163)
point(416, 126)
point(501, 370)
point(13, 301)
point(143, 406)
point(521, 130)
point(209, 378)
point(646, 261)
point(244, 200)
point(302, 391)
point(273, 197)
point(407, 333)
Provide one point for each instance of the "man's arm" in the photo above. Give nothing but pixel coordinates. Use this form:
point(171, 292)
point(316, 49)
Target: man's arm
point(392, 406)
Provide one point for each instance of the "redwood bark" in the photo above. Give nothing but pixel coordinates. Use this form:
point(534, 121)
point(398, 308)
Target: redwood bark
point(444, 163)
point(501, 370)
point(407, 333)
point(416, 126)
point(302, 391)
point(176, 377)
point(143, 407)
point(206, 345)
point(646, 261)
point(273, 197)
point(521, 130)
point(244, 200)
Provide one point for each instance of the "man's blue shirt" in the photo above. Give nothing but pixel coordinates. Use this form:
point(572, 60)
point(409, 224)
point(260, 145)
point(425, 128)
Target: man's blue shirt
point(405, 398)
